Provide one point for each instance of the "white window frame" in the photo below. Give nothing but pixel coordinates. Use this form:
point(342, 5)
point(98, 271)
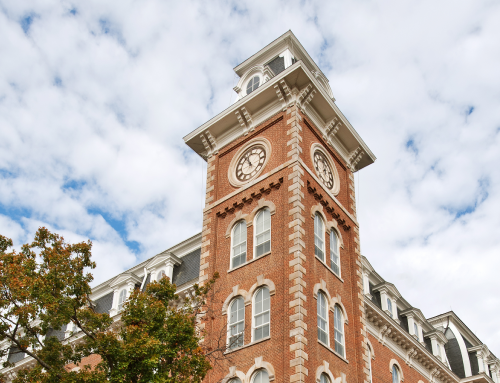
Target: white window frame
point(255, 234)
point(241, 222)
point(120, 304)
point(323, 296)
point(229, 324)
point(415, 329)
point(334, 233)
point(159, 275)
point(256, 373)
point(251, 79)
point(389, 307)
point(320, 219)
point(337, 307)
point(254, 313)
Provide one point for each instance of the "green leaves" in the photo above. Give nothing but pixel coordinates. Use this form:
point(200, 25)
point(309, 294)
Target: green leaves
point(45, 287)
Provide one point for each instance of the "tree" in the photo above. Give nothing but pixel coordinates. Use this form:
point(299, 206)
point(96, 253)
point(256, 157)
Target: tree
point(47, 285)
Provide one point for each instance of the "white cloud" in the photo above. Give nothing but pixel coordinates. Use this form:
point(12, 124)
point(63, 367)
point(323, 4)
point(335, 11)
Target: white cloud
point(95, 98)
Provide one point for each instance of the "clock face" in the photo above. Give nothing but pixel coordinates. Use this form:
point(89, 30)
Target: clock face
point(323, 169)
point(250, 163)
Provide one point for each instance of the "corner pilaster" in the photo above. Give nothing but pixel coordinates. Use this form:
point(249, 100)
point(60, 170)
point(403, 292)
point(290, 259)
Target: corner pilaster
point(296, 251)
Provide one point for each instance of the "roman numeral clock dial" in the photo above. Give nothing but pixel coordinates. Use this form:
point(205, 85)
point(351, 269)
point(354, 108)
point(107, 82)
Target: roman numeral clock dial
point(250, 163)
point(323, 169)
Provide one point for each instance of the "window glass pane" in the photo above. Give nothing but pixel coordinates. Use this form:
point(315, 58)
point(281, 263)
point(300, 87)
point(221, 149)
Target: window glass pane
point(339, 331)
point(253, 84)
point(395, 374)
point(415, 328)
point(261, 377)
point(237, 323)
point(263, 233)
point(239, 239)
point(262, 314)
point(389, 306)
point(318, 237)
point(324, 379)
point(334, 253)
point(322, 318)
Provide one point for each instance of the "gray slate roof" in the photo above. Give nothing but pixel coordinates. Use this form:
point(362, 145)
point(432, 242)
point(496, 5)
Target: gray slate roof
point(189, 269)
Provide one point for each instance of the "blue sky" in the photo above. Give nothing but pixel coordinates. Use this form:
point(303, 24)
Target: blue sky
point(95, 98)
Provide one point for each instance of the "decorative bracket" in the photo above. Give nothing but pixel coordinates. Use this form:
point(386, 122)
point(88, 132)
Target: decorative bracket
point(209, 143)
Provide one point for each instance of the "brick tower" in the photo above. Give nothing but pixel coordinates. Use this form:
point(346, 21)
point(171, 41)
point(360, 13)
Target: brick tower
point(280, 226)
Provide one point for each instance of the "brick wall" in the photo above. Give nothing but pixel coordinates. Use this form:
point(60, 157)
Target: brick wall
point(293, 350)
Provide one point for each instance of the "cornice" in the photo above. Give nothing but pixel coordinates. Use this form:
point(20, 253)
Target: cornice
point(295, 85)
point(387, 287)
point(462, 328)
point(388, 328)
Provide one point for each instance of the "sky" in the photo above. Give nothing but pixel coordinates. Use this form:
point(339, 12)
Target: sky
point(96, 96)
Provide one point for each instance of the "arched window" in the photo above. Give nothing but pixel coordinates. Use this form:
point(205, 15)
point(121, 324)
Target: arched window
point(369, 364)
point(262, 233)
point(253, 84)
point(322, 318)
point(319, 237)
point(334, 253)
point(261, 314)
point(389, 306)
point(235, 380)
point(395, 374)
point(261, 376)
point(236, 323)
point(239, 245)
point(324, 378)
point(122, 298)
point(160, 275)
point(338, 319)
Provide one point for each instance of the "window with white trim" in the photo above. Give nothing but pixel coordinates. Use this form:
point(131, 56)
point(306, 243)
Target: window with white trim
point(262, 233)
point(334, 253)
point(415, 329)
point(122, 298)
point(261, 314)
point(338, 321)
point(239, 244)
point(324, 378)
point(236, 323)
point(261, 376)
point(389, 306)
point(319, 237)
point(322, 318)
point(395, 374)
point(253, 84)
point(160, 275)
point(235, 380)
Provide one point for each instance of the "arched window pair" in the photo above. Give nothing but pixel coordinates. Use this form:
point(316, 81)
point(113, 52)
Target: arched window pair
point(262, 238)
point(260, 376)
point(338, 324)
point(261, 318)
point(319, 244)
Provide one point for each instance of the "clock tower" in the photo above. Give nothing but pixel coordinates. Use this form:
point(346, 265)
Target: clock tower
point(280, 226)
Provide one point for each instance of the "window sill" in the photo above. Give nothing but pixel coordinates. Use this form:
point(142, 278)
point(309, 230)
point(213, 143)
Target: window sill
point(247, 345)
point(333, 351)
point(247, 262)
point(328, 268)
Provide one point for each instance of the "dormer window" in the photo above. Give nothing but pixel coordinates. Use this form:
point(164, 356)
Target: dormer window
point(253, 84)
point(161, 274)
point(415, 329)
point(122, 299)
point(389, 307)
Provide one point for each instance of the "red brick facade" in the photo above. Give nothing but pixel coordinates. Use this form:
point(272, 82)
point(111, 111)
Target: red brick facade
point(288, 184)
